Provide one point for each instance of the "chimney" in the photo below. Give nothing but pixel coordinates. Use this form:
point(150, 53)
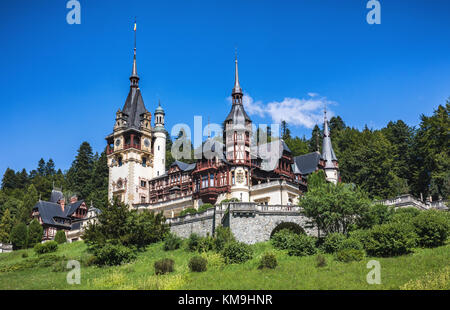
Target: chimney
point(73, 199)
point(62, 203)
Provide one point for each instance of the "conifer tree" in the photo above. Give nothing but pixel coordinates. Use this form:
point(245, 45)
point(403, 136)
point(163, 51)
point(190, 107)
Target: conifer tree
point(35, 232)
point(6, 225)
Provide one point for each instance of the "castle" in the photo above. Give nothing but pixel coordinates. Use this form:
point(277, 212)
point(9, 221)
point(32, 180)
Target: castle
point(265, 174)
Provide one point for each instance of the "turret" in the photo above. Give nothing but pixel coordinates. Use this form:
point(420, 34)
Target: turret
point(159, 148)
point(331, 163)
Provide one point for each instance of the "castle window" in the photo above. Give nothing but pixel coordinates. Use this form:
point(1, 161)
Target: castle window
point(143, 184)
point(120, 161)
point(142, 199)
point(232, 178)
point(204, 181)
point(211, 180)
point(144, 161)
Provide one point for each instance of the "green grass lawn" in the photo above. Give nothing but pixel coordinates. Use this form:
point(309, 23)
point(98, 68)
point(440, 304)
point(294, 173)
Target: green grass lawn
point(425, 268)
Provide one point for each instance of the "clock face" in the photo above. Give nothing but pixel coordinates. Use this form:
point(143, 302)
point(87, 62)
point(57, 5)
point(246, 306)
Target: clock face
point(117, 142)
point(146, 142)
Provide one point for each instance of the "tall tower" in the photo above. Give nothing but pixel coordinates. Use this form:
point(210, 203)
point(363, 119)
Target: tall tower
point(331, 163)
point(159, 143)
point(129, 147)
point(237, 133)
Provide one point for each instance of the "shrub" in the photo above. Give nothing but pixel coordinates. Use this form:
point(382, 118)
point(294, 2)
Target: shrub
point(60, 237)
point(332, 242)
point(268, 260)
point(293, 227)
point(349, 255)
point(301, 245)
point(432, 228)
point(204, 207)
point(282, 239)
point(24, 255)
point(205, 244)
point(164, 266)
point(351, 243)
point(188, 211)
point(237, 252)
point(46, 247)
point(223, 235)
point(362, 235)
point(197, 264)
point(390, 239)
point(172, 242)
point(193, 242)
point(404, 215)
point(321, 261)
point(113, 254)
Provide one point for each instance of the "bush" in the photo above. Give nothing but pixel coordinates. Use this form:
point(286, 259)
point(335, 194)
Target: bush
point(193, 242)
point(282, 239)
point(404, 215)
point(188, 211)
point(362, 235)
point(321, 261)
point(349, 255)
point(301, 245)
point(197, 264)
point(237, 252)
point(60, 237)
point(332, 242)
point(390, 239)
point(268, 260)
point(205, 244)
point(24, 255)
point(172, 242)
point(46, 247)
point(223, 235)
point(164, 266)
point(113, 254)
point(293, 227)
point(204, 207)
point(432, 228)
point(350, 243)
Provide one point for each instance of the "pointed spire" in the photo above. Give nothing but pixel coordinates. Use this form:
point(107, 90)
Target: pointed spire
point(237, 88)
point(327, 148)
point(134, 78)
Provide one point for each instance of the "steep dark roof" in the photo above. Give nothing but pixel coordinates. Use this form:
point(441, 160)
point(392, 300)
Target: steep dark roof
point(56, 196)
point(306, 164)
point(50, 210)
point(238, 114)
point(183, 166)
point(134, 107)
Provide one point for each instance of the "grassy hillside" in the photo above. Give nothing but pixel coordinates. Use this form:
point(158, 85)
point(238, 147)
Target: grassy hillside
point(425, 268)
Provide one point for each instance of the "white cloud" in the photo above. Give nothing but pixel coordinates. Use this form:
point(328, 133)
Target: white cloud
point(297, 112)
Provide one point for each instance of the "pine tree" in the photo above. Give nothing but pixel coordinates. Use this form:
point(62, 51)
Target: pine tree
point(9, 180)
point(50, 168)
point(35, 233)
point(6, 225)
point(316, 139)
point(80, 173)
point(41, 167)
point(99, 193)
point(19, 236)
point(29, 200)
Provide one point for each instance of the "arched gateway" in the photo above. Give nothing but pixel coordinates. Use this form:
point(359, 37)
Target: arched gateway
point(249, 222)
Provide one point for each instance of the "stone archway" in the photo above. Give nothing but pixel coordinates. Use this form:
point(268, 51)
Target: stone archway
point(292, 226)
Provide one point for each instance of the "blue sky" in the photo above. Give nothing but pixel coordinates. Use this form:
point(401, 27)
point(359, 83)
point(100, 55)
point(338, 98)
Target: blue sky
point(61, 84)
